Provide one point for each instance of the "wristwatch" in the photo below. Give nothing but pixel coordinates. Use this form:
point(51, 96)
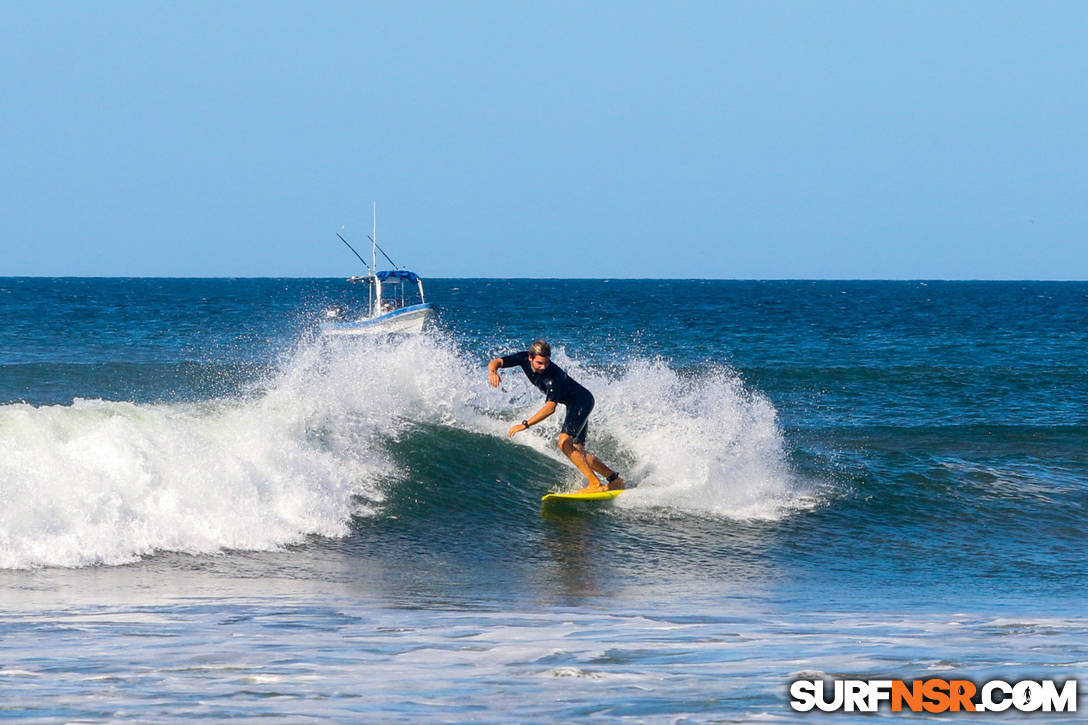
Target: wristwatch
point(526, 424)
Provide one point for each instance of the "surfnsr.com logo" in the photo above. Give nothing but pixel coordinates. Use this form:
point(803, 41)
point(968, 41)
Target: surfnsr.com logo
point(933, 695)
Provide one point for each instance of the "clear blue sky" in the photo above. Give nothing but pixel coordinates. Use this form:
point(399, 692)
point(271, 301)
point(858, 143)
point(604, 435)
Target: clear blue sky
point(538, 139)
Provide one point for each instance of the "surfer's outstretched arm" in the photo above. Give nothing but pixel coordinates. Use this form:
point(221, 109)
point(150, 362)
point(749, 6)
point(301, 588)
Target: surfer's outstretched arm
point(493, 372)
point(538, 416)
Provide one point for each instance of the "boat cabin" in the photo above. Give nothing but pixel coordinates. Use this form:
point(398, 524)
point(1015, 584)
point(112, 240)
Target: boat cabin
point(390, 290)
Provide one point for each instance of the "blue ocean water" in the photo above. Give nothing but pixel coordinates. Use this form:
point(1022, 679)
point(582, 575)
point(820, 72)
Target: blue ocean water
point(211, 511)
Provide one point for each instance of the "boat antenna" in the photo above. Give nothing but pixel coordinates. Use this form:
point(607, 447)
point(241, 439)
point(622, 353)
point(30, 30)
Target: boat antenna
point(374, 241)
point(353, 251)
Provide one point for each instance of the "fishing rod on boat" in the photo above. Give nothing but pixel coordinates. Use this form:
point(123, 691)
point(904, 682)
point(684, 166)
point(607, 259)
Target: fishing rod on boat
point(395, 265)
point(356, 253)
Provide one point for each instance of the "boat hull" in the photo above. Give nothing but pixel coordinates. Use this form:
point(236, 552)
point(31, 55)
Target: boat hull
point(407, 320)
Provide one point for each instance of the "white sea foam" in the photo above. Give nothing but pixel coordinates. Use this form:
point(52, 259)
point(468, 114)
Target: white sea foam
point(701, 443)
point(106, 482)
point(101, 482)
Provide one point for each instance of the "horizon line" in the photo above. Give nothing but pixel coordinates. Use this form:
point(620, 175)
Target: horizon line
point(544, 279)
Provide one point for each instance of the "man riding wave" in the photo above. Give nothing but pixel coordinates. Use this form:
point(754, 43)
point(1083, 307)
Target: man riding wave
point(559, 388)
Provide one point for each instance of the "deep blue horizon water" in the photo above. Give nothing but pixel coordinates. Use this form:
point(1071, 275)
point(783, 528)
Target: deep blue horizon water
point(211, 511)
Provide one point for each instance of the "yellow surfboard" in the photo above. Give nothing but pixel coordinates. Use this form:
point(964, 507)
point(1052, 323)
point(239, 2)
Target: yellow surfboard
point(594, 496)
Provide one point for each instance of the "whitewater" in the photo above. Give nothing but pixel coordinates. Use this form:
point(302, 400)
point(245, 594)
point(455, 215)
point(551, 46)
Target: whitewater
point(301, 453)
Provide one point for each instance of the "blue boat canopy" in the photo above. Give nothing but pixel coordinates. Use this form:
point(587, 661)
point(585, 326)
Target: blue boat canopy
point(397, 275)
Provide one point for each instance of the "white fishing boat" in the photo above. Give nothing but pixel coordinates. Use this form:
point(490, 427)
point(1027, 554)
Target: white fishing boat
point(396, 300)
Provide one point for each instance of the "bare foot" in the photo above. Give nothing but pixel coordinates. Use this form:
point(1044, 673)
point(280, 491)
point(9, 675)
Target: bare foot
point(618, 484)
point(593, 488)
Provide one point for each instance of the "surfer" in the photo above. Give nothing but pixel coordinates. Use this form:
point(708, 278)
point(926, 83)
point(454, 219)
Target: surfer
point(558, 387)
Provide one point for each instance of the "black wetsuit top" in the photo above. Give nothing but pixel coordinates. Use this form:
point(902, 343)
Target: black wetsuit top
point(556, 385)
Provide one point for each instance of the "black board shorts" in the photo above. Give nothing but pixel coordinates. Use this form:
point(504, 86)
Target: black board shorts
point(576, 424)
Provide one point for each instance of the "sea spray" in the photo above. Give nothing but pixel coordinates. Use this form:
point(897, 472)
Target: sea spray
point(107, 482)
point(301, 453)
point(700, 442)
